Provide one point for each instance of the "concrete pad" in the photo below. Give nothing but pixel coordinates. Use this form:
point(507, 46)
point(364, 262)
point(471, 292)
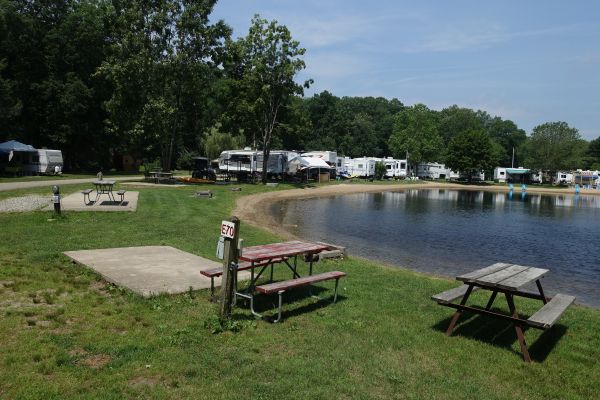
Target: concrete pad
point(74, 202)
point(149, 270)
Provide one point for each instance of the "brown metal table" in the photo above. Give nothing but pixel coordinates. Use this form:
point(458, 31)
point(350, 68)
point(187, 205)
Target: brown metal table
point(104, 187)
point(508, 279)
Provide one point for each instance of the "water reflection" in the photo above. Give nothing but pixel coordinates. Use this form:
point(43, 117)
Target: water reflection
point(449, 232)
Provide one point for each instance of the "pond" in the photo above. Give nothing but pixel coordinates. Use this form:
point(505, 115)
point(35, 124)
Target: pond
point(449, 232)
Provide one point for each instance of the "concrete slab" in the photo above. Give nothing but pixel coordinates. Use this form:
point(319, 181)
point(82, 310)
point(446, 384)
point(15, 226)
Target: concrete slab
point(74, 202)
point(149, 270)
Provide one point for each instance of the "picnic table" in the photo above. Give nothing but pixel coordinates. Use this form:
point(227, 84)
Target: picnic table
point(104, 187)
point(508, 279)
point(264, 256)
point(158, 176)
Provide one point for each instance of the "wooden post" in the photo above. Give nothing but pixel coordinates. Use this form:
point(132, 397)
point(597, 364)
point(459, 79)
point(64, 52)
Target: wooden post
point(230, 256)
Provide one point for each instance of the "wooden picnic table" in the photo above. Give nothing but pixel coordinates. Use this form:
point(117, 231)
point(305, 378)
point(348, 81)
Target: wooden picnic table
point(158, 176)
point(508, 279)
point(267, 255)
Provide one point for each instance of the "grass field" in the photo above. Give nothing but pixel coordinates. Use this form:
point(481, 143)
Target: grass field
point(66, 334)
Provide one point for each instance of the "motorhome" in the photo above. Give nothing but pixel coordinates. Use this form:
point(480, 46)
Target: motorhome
point(395, 169)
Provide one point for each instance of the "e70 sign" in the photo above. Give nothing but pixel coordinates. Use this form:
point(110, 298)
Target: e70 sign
point(228, 229)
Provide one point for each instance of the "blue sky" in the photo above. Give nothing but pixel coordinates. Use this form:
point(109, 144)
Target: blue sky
point(528, 61)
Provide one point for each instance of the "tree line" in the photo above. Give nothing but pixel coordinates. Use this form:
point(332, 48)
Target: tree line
point(162, 81)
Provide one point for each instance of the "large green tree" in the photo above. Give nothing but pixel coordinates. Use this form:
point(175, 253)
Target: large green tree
point(593, 154)
point(263, 67)
point(554, 146)
point(471, 152)
point(415, 134)
point(163, 67)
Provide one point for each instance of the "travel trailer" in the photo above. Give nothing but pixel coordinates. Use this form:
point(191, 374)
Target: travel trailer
point(396, 169)
point(330, 157)
point(563, 178)
point(249, 163)
point(433, 171)
point(50, 161)
point(363, 167)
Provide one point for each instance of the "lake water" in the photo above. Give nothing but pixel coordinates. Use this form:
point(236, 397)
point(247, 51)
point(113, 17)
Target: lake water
point(449, 232)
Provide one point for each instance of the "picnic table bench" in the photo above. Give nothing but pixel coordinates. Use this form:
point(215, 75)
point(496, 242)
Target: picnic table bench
point(285, 253)
point(508, 279)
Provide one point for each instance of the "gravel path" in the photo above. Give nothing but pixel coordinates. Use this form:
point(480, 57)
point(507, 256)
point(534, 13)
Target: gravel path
point(25, 203)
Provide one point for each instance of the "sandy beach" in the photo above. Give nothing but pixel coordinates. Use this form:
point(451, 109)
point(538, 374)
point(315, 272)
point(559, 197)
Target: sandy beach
point(254, 209)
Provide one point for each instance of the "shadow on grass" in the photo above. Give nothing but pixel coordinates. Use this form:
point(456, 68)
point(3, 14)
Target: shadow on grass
point(502, 334)
point(267, 304)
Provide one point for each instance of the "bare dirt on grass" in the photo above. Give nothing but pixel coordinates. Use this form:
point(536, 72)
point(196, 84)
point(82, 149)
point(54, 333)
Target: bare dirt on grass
point(96, 361)
point(254, 209)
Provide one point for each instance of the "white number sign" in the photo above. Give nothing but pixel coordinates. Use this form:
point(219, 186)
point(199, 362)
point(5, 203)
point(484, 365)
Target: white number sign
point(227, 229)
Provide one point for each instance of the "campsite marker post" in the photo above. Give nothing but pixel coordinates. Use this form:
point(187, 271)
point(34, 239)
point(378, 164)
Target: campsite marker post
point(56, 198)
point(230, 231)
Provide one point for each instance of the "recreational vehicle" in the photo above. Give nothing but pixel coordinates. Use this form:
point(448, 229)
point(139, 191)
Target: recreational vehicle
point(50, 161)
point(563, 178)
point(433, 171)
point(394, 168)
point(363, 167)
point(330, 157)
point(249, 163)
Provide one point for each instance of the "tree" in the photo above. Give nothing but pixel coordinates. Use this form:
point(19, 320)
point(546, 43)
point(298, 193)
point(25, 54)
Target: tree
point(266, 63)
point(471, 152)
point(214, 142)
point(164, 60)
point(455, 120)
point(380, 170)
point(509, 137)
point(593, 154)
point(554, 146)
point(415, 135)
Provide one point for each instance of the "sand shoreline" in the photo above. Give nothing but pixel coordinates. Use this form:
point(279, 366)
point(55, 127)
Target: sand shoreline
point(254, 209)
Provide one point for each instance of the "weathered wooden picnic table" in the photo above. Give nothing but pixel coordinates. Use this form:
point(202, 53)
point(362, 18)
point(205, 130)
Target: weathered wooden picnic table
point(508, 279)
point(286, 253)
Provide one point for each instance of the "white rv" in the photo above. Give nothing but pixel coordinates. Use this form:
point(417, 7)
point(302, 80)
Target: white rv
point(563, 178)
point(395, 168)
point(433, 170)
point(363, 167)
point(50, 161)
point(248, 162)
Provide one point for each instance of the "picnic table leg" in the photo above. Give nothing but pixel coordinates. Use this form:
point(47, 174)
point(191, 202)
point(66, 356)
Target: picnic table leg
point(457, 314)
point(518, 328)
point(539, 286)
point(491, 301)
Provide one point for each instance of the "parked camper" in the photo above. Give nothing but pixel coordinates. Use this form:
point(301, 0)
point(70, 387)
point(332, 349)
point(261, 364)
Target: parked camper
point(330, 157)
point(363, 167)
point(50, 161)
point(563, 178)
point(432, 171)
point(249, 163)
point(500, 174)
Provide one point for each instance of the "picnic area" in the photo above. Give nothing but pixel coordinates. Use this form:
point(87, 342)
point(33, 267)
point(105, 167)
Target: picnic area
point(68, 333)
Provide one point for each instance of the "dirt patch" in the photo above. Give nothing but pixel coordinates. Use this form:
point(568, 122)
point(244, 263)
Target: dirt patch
point(96, 361)
point(99, 287)
point(77, 352)
point(141, 381)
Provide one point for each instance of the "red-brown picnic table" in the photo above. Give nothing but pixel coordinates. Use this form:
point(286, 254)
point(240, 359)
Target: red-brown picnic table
point(267, 255)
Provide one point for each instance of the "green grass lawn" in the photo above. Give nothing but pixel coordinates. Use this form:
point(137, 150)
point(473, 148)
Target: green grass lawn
point(66, 334)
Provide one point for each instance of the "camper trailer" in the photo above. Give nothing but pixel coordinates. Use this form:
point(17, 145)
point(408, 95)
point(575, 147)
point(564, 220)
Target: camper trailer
point(330, 157)
point(363, 167)
point(249, 163)
point(563, 178)
point(50, 161)
point(433, 171)
point(395, 169)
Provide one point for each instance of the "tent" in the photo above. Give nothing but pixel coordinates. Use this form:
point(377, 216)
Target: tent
point(9, 148)
point(306, 164)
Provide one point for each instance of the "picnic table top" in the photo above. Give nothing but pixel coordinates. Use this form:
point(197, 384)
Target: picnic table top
point(503, 275)
point(104, 182)
point(282, 249)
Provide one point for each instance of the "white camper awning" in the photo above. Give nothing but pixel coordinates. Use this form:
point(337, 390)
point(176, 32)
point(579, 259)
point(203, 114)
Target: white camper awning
point(313, 162)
